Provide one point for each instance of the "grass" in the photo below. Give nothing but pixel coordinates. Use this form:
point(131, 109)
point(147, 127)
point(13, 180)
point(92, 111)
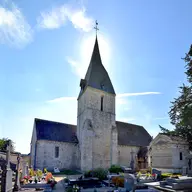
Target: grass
point(67, 172)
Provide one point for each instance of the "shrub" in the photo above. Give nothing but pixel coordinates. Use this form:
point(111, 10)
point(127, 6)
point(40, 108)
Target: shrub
point(115, 169)
point(100, 173)
point(66, 180)
point(88, 174)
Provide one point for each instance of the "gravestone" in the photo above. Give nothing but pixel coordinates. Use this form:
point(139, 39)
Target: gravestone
point(17, 182)
point(25, 169)
point(132, 161)
point(130, 182)
point(184, 171)
point(189, 165)
point(6, 178)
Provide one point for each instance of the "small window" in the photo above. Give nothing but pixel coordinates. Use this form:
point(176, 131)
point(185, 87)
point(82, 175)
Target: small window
point(56, 152)
point(102, 103)
point(181, 156)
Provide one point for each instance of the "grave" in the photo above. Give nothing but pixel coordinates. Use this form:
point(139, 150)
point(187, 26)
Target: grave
point(184, 183)
point(85, 182)
point(6, 177)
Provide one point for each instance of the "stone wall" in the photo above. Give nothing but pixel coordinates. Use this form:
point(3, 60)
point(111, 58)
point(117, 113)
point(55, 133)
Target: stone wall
point(33, 147)
point(125, 154)
point(164, 154)
point(101, 122)
point(68, 155)
point(161, 156)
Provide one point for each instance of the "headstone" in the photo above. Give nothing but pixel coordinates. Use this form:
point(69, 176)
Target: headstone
point(6, 178)
point(130, 182)
point(56, 170)
point(132, 161)
point(184, 171)
point(189, 165)
point(25, 171)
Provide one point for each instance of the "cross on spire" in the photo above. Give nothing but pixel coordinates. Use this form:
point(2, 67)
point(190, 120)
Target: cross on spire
point(96, 28)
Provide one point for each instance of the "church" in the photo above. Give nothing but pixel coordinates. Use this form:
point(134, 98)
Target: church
point(98, 140)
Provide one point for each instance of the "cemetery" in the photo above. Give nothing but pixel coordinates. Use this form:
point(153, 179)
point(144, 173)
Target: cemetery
point(116, 178)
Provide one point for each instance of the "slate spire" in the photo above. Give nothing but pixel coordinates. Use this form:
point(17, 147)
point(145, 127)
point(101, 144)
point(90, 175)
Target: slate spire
point(97, 76)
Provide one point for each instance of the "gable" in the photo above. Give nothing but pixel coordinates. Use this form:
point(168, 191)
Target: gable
point(162, 139)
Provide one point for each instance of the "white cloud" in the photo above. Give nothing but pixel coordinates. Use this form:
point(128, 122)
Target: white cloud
point(137, 94)
point(79, 71)
point(58, 16)
point(120, 101)
point(14, 29)
point(61, 99)
point(160, 118)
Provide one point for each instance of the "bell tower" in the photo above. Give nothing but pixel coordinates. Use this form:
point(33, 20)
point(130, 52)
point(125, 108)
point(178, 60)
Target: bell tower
point(96, 127)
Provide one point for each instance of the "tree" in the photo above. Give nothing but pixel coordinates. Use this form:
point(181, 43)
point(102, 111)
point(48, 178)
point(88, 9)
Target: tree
point(3, 144)
point(181, 108)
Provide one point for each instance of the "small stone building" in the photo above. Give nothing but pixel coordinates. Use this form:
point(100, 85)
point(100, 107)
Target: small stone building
point(168, 153)
point(98, 140)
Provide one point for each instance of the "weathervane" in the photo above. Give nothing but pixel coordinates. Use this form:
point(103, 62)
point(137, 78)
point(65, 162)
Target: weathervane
point(96, 28)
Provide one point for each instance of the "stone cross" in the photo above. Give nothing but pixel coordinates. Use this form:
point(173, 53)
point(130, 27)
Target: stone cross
point(17, 183)
point(8, 154)
point(132, 161)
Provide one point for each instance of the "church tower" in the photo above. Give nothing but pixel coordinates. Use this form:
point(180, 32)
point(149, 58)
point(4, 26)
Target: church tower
point(96, 127)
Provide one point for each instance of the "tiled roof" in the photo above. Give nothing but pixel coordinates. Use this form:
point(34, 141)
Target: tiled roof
point(54, 131)
point(131, 134)
point(128, 134)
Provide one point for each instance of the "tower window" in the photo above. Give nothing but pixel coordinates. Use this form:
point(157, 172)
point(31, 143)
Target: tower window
point(181, 156)
point(56, 152)
point(102, 103)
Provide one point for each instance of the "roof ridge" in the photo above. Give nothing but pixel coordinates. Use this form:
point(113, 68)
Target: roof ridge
point(53, 121)
point(130, 123)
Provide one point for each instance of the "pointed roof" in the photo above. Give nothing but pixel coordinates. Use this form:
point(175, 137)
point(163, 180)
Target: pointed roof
point(97, 76)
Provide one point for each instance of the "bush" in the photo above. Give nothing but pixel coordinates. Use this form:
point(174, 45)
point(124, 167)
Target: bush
point(88, 174)
point(100, 173)
point(115, 169)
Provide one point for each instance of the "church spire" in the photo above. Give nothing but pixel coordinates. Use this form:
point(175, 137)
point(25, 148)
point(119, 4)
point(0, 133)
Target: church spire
point(97, 76)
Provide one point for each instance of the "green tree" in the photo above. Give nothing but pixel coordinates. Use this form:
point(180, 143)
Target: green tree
point(4, 142)
point(181, 108)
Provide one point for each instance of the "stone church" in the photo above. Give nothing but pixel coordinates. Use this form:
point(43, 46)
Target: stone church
point(98, 140)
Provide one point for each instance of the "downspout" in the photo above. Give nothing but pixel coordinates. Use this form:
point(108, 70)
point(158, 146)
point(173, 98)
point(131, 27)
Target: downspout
point(35, 156)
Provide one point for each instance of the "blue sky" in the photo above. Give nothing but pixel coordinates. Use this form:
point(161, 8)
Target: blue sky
point(45, 48)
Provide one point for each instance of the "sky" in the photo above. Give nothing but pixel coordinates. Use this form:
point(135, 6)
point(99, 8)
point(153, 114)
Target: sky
point(45, 49)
